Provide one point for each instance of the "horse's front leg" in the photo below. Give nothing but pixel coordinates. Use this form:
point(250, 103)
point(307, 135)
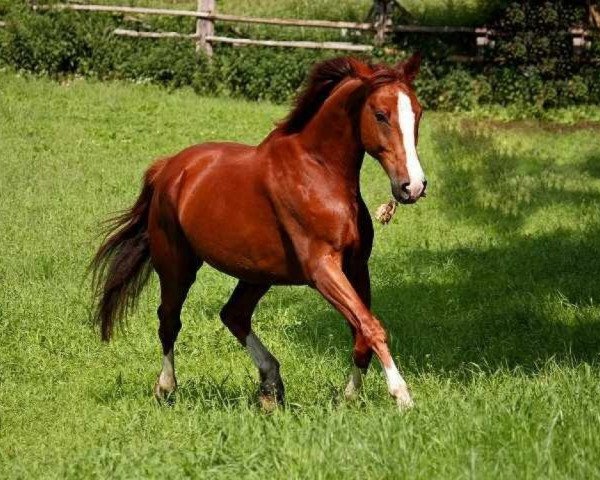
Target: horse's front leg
point(332, 283)
point(359, 277)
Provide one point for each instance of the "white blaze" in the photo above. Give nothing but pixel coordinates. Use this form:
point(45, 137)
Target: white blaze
point(406, 121)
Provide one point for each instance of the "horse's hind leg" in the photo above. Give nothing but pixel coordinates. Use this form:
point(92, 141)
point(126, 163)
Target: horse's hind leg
point(176, 266)
point(237, 317)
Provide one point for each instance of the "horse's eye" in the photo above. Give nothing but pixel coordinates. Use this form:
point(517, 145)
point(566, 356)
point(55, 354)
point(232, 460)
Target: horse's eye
point(381, 117)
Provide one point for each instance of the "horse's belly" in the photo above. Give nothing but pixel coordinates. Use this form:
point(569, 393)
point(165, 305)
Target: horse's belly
point(230, 224)
point(254, 256)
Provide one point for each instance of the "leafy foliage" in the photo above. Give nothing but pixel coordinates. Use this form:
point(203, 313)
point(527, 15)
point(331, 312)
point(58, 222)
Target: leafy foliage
point(533, 66)
point(538, 65)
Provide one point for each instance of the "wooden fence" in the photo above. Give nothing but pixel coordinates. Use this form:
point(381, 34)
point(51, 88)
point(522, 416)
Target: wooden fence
point(206, 16)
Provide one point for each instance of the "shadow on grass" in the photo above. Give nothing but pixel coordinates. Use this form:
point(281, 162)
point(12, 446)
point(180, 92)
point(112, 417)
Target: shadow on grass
point(204, 392)
point(513, 306)
point(482, 183)
point(592, 166)
point(516, 306)
point(524, 301)
point(207, 392)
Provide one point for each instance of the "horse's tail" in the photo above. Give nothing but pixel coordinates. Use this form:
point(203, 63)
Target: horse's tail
point(121, 266)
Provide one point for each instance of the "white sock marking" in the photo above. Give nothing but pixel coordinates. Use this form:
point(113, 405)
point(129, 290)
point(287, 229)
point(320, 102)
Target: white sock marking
point(167, 373)
point(354, 383)
point(406, 121)
point(397, 386)
point(394, 379)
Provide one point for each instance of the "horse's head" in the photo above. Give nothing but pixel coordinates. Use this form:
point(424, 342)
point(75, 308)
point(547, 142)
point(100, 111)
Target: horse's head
point(389, 127)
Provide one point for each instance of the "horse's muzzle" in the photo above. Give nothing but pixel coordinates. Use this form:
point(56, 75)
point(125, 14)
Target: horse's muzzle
point(407, 193)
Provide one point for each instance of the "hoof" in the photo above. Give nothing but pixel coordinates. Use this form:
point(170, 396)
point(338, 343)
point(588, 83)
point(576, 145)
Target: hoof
point(269, 403)
point(271, 396)
point(351, 392)
point(350, 395)
point(164, 389)
point(404, 400)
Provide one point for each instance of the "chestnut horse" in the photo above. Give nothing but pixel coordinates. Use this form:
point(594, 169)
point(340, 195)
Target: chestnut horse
point(288, 211)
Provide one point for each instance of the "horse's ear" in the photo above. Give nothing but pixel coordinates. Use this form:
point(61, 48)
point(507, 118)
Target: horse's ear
point(361, 70)
point(410, 68)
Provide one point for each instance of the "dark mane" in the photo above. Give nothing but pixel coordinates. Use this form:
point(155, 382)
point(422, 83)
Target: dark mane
point(323, 78)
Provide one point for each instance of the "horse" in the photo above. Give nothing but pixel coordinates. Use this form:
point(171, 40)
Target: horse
point(288, 211)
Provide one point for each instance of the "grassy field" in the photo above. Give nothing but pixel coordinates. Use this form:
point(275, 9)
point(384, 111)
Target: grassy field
point(489, 287)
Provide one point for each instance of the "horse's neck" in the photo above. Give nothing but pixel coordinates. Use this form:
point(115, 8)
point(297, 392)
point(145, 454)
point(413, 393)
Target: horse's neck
point(332, 135)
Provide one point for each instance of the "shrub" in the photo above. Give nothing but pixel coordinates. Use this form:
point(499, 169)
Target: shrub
point(533, 66)
point(536, 65)
point(535, 34)
point(50, 44)
point(265, 74)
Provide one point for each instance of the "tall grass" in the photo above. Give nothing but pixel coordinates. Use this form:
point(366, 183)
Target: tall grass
point(489, 288)
point(449, 12)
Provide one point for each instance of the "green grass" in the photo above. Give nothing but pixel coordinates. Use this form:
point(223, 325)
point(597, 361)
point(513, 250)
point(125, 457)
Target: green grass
point(442, 12)
point(329, 9)
point(489, 288)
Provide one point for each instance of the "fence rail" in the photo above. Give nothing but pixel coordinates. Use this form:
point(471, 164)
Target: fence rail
point(290, 22)
point(206, 16)
point(248, 41)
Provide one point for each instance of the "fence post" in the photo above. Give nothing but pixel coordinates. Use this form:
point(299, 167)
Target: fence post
point(382, 9)
point(594, 14)
point(205, 27)
point(482, 41)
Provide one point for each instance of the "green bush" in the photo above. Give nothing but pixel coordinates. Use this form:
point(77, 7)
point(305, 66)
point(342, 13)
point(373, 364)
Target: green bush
point(52, 43)
point(537, 66)
point(536, 34)
point(265, 74)
point(532, 68)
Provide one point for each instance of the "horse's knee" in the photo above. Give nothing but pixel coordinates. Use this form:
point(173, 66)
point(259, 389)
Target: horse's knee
point(373, 333)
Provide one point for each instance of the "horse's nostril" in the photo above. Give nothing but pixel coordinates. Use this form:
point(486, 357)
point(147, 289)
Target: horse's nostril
point(405, 187)
point(424, 184)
